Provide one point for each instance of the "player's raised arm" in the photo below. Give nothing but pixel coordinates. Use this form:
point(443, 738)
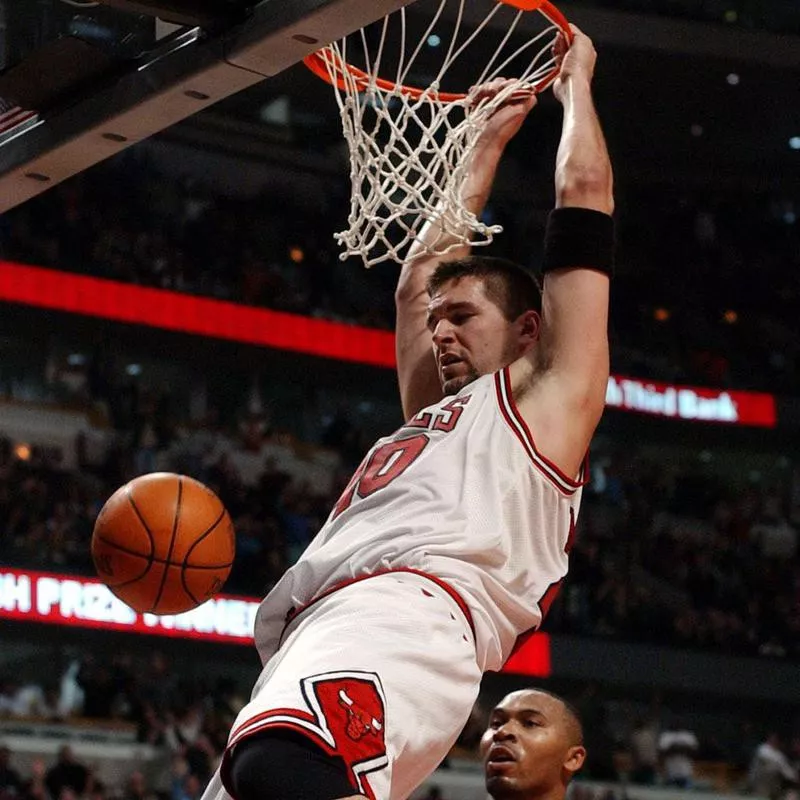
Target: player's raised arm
point(572, 360)
point(417, 371)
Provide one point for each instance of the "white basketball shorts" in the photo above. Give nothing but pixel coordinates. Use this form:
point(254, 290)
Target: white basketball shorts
point(381, 672)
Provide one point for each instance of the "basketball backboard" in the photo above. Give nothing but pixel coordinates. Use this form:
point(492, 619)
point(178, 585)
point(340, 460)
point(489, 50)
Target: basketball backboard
point(80, 81)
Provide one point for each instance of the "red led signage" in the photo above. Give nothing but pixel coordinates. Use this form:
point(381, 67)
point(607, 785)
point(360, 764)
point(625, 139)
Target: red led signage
point(159, 308)
point(202, 316)
point(691, 403)
point(87, 603)
point(81, 602)
point(532, 658)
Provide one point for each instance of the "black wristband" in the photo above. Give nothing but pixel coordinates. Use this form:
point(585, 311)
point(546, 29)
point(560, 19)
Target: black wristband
point(579, 238)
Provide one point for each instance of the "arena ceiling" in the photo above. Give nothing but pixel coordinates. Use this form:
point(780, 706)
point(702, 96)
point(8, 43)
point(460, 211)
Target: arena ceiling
point(682, 101)
point(696, 102)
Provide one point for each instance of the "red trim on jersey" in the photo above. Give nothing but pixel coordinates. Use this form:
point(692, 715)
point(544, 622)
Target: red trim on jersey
point(267, 715)
point(544, 604)
point(550, 593)
point(517, 423)
point(446, 587)
point(549, 596)
point(571, 534)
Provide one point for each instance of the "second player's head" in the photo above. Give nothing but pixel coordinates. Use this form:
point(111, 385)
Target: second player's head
point(532, 747)
point(483, 313)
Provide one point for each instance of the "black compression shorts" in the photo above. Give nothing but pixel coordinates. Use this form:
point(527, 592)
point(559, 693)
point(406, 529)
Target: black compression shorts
point(283, 765)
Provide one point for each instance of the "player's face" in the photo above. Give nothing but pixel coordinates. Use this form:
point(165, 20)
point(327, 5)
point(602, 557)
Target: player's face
point(471, 336)
point(529, 749)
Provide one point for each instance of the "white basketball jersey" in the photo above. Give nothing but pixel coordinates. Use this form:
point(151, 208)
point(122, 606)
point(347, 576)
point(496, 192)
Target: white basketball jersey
point(459, 493)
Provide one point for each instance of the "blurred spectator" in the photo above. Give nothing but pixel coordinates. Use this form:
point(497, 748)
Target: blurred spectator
point(136, 788)
point(644, 751)
point(157, 682)
point(770, 772)
point(677, 747)
point(97, 791)
point(184, 727)
point(192, 788)
point(95, 679)
point(71, 696)
point(31, 700)
point(66, 773)
point(185, 786)
point(35, 788)
point(67, 793)
point(297, 521)
point(227, 702)
point(774, 537)
point(598, 738)
point(10, 780)
point(200, 755)
point(7, 688)
point(746, 742)
point(151, 726)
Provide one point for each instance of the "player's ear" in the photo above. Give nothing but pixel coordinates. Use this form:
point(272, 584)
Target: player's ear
point(530, 324)
point(576, 755)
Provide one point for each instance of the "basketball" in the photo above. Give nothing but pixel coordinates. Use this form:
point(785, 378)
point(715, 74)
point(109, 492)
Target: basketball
point(163, 543)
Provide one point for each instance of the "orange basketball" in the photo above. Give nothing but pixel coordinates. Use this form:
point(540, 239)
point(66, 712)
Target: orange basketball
point(163, 543)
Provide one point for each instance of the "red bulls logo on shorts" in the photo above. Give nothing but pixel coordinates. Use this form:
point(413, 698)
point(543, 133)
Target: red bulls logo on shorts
point(353, 710)
point(345, 715)
point(350, 709)
point(359, 723)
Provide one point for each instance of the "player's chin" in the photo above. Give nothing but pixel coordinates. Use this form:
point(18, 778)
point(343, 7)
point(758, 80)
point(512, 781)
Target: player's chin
point(455, 385)
point(495, 783)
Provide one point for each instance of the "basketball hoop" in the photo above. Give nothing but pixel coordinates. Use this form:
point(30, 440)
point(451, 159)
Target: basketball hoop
point(411, 138)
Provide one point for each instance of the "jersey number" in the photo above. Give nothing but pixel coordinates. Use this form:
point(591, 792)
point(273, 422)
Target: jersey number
point(380, 468)
point(392, 459)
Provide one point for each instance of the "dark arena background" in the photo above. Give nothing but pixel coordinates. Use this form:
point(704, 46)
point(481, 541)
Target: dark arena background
point(171, 298)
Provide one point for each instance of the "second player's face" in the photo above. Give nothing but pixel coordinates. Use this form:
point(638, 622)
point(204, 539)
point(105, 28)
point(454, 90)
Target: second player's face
point(527, 749)
point(471, 337)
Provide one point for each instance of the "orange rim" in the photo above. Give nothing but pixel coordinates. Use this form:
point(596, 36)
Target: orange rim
point(319, 61)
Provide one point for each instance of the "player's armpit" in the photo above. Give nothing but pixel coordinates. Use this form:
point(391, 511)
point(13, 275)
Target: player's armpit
point(561, 422)
point(562, 426)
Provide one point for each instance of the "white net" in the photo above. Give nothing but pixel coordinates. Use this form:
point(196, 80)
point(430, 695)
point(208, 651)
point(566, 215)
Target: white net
point(411, 149)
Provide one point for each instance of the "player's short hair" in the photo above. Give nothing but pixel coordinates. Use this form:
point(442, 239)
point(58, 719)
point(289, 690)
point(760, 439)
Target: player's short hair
point(511, 287)
point(571, 713)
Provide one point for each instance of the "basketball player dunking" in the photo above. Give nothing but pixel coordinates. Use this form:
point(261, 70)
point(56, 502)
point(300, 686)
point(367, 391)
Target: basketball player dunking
point(450, 541)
